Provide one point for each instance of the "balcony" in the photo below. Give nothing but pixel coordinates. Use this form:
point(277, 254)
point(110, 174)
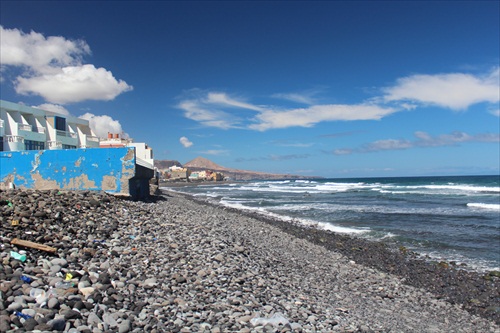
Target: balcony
point(13, 138)
point(92, 138)
point(24, 127)
point(66, 134)
point(54, 144)
point(40, 129)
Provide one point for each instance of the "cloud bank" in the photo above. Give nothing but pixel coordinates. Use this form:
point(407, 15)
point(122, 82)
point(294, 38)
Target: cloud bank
point(52, 68)
point(422, 140)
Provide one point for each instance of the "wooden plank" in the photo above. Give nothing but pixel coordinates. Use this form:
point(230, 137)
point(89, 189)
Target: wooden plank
point(33, 245)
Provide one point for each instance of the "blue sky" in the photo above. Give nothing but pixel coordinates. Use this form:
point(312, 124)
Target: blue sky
point(333, 89)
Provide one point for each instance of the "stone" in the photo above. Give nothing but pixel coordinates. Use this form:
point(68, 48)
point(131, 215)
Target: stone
point(124, 326)
point(4, 323)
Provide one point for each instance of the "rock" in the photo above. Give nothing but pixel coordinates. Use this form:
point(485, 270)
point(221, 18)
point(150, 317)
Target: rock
point(29, 324)
point(4, 323)
point(57, 324)
point(124, 326)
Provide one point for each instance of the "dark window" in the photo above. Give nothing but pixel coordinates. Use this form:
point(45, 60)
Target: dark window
point(68, 147)
point(34, 145)
point(60, 123)
point(1, 143)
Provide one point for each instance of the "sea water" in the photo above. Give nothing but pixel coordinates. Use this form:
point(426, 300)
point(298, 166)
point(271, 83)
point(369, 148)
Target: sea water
point(446, 218)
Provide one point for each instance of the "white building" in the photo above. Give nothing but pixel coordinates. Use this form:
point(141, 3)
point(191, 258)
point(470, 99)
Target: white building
point(143, 153)
point(27, 128)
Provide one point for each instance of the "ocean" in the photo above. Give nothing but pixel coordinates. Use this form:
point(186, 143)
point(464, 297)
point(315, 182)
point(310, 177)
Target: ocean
point(453, 218)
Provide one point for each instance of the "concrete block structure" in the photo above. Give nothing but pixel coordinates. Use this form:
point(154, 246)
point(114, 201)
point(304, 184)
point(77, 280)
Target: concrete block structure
point(113, 170)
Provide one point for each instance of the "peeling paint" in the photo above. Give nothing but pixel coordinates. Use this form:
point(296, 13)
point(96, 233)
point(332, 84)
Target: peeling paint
point(43, 184)
point(109, 183)
point(36, 162)
point(80, 183)
point(79, 161)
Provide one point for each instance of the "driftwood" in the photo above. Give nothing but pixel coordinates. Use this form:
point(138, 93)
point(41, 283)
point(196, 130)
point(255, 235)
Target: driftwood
point(33, 245)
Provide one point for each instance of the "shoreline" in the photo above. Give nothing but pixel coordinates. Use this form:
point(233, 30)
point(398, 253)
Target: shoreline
point(477, 292)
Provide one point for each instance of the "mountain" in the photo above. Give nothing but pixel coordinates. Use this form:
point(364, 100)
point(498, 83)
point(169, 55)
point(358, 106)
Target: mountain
point(165, 164)
point(201, 163)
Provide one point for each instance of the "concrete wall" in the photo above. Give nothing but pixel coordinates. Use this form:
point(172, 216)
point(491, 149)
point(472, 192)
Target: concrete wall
point(113, 170)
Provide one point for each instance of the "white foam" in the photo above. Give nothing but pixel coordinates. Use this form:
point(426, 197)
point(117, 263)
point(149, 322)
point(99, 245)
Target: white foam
point(484, 206)
point(319, 225)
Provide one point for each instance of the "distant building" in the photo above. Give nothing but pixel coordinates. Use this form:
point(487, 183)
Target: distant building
point(28, 128)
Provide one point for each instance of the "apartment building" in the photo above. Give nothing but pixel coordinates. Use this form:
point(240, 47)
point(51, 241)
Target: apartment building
point(28, 128)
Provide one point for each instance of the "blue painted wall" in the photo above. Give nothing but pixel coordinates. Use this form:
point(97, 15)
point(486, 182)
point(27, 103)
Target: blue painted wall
point(109, 169)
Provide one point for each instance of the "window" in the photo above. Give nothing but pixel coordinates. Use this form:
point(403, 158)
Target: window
point(1, 143)
point(34, 145)
point(60, 123)
point(68, 147)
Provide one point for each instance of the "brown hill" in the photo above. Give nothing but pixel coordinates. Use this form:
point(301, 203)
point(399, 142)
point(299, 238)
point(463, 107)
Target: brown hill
point(203, 163)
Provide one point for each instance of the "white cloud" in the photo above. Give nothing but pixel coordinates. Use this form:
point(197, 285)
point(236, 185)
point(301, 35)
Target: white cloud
point(223, 99)
point(185, 142)
point(294, 97)
point(215, 152)
point(197, 111)
point(39, 54)
point(495, 112)
point(102, 125)
point(73, 84)
point(209, 111)
point(308, 117)
point(52, 68)
point(456, 91)
point(53, 108)
point(422, 140)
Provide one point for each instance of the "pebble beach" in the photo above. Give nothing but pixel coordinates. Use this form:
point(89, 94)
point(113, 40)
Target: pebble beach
point(176, 264)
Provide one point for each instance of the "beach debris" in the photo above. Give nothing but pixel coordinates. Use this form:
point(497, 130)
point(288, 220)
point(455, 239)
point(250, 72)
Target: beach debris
point(275, 320)
point(18, 256)
point(33, 245)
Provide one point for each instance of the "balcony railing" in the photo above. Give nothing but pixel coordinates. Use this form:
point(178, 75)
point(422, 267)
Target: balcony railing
point(24, 127)
point(40, 129)
point(92, 138)
point(1, 123)
point(54, 144)
point(64, 133)
point(13, 138)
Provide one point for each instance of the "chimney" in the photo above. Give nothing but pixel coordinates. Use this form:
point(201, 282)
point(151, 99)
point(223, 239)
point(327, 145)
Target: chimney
point(110, 135)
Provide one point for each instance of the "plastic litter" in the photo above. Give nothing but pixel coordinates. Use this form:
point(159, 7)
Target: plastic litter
point(68, 277)
point(39, 295)
point(275, 320)
point(64, 285)
point(22, 315)
point(26, 279)
point(18, 256)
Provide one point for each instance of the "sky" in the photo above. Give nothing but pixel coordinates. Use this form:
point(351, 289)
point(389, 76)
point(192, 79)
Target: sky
point(330, 88)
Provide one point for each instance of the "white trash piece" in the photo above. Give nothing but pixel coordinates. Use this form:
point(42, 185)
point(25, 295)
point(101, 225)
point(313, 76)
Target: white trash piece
point(275, 320)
